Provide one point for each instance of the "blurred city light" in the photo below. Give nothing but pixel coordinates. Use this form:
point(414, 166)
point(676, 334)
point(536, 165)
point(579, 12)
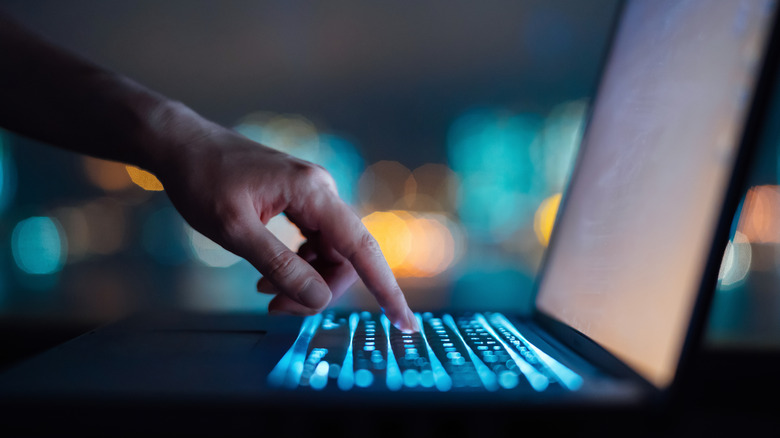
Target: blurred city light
point(384, 184)
point(759, 220)
point(435, 189)
point(76, 227)
point(163, 236)
point(108, 175)
point(285, 231)
point(501, 186)
point(144, 179)
point(544, 219)
point(106, 225)
point(558, 143)
point(7, 173)
point(340, 157)
point(391, 231)
point(416, 244)
point(38, 246)
point(208, 252)
point(736, 261)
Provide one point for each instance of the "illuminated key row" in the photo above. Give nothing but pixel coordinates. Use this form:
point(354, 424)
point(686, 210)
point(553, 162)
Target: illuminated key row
point(469, 352)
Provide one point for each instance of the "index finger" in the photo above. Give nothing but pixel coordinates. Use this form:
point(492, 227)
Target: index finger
point(347, 234)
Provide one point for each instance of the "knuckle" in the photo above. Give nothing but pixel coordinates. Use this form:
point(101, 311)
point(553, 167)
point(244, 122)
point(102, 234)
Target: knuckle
point(314, 176)
point(368, 245)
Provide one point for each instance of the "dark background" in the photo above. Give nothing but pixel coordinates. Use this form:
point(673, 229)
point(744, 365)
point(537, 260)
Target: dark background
point(390, 77)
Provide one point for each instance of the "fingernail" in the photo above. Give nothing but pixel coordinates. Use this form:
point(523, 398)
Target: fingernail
point(409, 323)
point(314, 295)
point(413, 320)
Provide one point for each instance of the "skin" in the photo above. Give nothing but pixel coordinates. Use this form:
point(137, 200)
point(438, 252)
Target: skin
point(225, 186)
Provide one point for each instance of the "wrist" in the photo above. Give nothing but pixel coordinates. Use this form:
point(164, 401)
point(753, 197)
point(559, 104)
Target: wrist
point(160, 129)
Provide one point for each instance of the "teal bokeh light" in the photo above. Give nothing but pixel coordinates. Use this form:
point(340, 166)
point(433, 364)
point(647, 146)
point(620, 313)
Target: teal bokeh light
point(38, 246)
point(340, 157)
point(7, 173)
point(492, 152)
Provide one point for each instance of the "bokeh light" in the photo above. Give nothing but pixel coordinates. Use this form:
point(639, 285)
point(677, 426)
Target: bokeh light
point(107, 225)
point(285, 231)
point(163, 236)
point(208, 252)
point(544, 219)
point(431, 187)
point(759, 219)
point(736, 261)
point(391, 231)
point(7, 173)
point(384, 184)
point(416, 244)
point(501, 187)
point(76, 227)
point(144, 179)
point(558, 142)
point(108, 175)
point(38, 245)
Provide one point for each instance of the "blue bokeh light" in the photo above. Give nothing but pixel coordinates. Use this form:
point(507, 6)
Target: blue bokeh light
point(491, 151)
point(38, 245)
point(7, 173)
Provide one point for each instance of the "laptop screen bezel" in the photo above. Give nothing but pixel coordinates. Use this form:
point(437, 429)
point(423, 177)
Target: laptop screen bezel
point(751, 134)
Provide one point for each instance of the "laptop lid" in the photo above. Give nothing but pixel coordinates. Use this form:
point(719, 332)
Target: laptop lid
point(639, 225)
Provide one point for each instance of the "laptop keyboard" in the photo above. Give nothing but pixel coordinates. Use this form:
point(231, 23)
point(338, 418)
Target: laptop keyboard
point(470, 352)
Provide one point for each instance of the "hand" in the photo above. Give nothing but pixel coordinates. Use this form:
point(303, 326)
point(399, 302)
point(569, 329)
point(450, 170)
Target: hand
point(228, 188)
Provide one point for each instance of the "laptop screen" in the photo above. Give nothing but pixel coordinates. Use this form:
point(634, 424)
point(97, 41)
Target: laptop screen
point(630, 250)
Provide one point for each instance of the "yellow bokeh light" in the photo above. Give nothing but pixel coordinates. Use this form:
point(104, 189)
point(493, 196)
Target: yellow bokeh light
point(144, 179)
point(544, 219)
point(392, 233)
point(414, 245)
point(108, 175)
point(760, 217)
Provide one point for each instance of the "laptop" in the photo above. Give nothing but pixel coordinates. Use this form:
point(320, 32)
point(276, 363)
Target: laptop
point(620, 300)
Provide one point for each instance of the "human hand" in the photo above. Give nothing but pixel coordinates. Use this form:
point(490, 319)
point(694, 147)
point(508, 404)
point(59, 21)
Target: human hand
point(228, 188)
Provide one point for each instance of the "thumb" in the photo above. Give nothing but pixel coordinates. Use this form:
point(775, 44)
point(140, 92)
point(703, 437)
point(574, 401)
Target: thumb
point(288, 272)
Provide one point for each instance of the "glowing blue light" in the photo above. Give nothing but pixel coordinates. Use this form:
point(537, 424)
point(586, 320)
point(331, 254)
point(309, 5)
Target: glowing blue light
point(492, 152)
point(364, 378)
point(319, 379)
point(441, 379)
point(507, 379)
point(288, 371)
point(567, 377)
point(537, 380)
point(394, 380)
point(340, 157)
point(347, 375)
point(411, 378)
point(486, 375)
point(7, 174)
point(38, 246)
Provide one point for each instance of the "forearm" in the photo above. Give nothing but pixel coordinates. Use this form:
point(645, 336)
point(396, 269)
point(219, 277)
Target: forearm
point(54, 96)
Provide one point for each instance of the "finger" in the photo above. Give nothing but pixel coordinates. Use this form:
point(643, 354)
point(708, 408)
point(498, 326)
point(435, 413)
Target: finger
point(282, 304)
point(339, 276)
point(285, 270)
point(349, 237)
point(306, 251)
point(264, 286)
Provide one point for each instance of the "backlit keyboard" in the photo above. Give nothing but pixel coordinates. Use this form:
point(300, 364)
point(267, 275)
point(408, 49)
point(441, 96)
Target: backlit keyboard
point(451, 353)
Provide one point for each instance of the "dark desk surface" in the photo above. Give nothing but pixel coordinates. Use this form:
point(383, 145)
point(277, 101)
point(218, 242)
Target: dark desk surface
point(728, 393)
